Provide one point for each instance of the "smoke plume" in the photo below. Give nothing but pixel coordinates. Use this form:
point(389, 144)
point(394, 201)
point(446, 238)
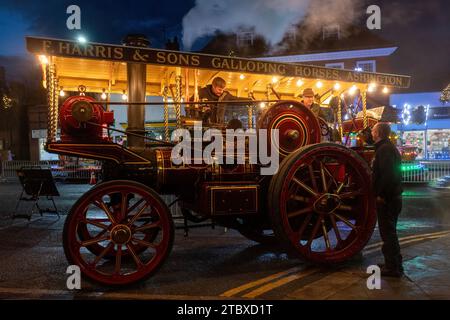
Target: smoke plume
point(269, 18)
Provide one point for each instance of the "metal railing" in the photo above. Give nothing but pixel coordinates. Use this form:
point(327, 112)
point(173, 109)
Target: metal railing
point(61, 171)
point(412, 171)
point(424, 171)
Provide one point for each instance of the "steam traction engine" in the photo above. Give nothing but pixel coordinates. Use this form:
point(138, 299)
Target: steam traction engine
point(319, 204)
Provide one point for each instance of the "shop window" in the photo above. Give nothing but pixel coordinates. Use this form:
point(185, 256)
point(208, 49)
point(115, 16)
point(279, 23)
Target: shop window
point(438, 142)
point(415, 139)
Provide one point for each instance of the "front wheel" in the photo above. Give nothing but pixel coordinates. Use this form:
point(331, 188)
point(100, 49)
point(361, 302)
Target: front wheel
point(130, 233)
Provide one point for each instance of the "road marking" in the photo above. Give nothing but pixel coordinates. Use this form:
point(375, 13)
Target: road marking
point(285, 277)
point(271, 286)
point(327, 286)
point(408, 241)
point(409, 237)
point(252, 284)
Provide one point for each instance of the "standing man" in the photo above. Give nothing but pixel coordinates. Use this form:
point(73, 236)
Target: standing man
point(215, 91)
point(387, 181)
point(308, 101)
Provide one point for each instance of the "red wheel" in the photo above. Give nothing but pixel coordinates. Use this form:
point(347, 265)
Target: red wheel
point(321, 203)
point(297, 126)
point(117, 220)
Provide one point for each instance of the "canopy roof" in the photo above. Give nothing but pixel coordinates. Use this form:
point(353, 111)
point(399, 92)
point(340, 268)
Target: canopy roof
point(104, 67)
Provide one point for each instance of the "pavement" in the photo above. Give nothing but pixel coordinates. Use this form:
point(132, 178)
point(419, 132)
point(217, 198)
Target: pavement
point(213, 264)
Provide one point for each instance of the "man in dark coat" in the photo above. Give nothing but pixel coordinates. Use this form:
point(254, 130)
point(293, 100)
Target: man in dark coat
point(387, 180)
point(215, 91)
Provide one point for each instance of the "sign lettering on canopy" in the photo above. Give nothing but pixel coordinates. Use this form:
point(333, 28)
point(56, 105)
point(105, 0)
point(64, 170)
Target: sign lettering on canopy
point(65, 48)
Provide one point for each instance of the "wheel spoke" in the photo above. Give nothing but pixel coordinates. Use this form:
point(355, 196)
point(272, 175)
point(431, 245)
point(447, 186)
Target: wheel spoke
point(102, 232)
point(299, 212)
point(346, 221)
point(304, 186)
point(104, 207)
point(312, 177)
point(344, 207)
point(137, 215)
point(94, 240)
point(299, 198)
point(335, 228)
point(136, 259)
point(322, 175)
point(118, 259)
point(96, 223)
point(314, 232)
point(330, 182)
point(134, 206)
point(156, 224)
point(123, 206)
point(145, 243)
point(102, 254)
point(304, 225)
point(325, 235)
point(339, 189)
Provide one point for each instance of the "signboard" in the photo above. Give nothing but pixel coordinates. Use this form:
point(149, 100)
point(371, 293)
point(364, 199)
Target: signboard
point(39, 134)
point(65, 48)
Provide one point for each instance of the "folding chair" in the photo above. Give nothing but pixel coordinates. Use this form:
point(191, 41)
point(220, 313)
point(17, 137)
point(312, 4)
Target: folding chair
point(36, 182)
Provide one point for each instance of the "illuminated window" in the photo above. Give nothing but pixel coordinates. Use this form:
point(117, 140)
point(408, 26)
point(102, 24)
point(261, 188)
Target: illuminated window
point(367, 66)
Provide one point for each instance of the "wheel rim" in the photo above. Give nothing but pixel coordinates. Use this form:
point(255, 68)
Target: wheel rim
point(326, 205)
point(118, 217)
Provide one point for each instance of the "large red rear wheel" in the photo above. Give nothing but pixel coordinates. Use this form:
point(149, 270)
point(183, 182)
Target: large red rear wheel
point(321, 203)
point(118, 233)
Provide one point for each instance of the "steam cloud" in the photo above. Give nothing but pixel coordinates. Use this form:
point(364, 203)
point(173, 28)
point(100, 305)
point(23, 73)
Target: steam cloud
point(269, 18)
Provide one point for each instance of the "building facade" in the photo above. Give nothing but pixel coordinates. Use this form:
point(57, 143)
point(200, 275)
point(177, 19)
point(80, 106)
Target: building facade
point(425, 123)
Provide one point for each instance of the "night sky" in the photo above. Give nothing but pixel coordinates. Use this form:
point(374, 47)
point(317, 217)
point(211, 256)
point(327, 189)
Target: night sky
point(421, 29)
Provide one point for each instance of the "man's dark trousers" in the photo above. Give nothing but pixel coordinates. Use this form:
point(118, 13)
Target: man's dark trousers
point(388, 213)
